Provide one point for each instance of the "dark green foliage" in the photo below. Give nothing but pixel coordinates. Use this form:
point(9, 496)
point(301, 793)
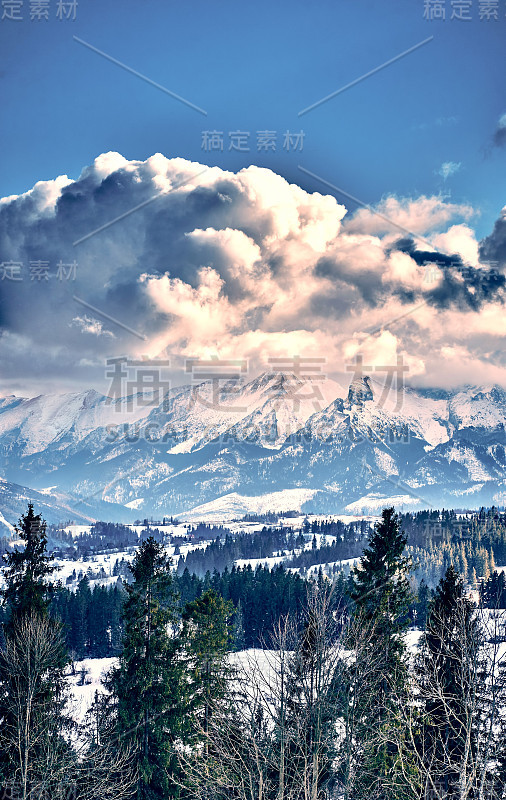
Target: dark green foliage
point(147, 686)
point(92, 619)
point(207, 639)
point(493, 591)
point(33, 658)
point(27, 589)
point(382, 595)
point(422, 605)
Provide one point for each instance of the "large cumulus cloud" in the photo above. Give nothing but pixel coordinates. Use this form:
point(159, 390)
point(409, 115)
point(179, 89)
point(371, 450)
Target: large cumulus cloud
point(204, 262)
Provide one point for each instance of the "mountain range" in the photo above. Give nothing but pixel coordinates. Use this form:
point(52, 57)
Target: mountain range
point(225, 448)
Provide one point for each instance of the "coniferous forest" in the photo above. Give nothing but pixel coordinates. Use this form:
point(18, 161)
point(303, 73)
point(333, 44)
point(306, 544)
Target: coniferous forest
point(383, 681)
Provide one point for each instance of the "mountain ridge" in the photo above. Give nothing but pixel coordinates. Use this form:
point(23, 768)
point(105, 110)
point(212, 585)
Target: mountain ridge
point(276, 432)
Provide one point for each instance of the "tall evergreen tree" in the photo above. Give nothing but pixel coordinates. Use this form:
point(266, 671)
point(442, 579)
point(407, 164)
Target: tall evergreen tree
point(381, 593)
point(27, 588)
point(147, 685)
point(422, 605)
point(308, 713)
point(33, 690)
point(207, 636)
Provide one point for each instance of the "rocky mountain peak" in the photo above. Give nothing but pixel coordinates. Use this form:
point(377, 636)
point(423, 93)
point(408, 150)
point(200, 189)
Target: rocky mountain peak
point(360, 390)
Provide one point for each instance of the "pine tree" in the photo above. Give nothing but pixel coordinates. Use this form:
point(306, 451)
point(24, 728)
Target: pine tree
point(147, 685)
point(422, 606)
point(381, 593)
point(238, 635)
point(27, 590)
point(207, 637)
point(33, 690)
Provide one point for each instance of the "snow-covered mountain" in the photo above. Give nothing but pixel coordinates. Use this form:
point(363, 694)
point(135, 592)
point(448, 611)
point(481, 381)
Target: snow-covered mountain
point(326, 448)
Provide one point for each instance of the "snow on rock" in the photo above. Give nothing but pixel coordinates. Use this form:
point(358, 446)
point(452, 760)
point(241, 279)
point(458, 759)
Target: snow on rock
point(234, 505)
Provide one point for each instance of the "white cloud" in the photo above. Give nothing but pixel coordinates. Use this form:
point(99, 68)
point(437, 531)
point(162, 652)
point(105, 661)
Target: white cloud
point(449, 168)
point(241, 265)
point(93, 326)
point(419, 215)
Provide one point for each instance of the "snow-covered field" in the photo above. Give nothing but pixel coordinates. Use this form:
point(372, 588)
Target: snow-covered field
point(234, 505)
point(82, 696)
point(260, 664)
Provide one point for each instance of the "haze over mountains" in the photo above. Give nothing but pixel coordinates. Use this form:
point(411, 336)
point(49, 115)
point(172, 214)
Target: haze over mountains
point(278, 441)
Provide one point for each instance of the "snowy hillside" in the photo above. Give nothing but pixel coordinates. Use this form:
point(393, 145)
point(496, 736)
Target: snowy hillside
point(276, 441)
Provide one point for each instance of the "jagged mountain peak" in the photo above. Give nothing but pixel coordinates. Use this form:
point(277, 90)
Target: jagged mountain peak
point(274, 380)
point(360, 390)
point(278, 429)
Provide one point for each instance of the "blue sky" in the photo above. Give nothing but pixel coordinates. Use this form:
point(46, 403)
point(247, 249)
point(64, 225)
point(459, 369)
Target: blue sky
point(254, 66)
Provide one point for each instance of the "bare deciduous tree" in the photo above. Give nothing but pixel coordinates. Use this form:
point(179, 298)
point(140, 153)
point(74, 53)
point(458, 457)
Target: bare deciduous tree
point(450, 728)
point(278, 739)
point(44, 756)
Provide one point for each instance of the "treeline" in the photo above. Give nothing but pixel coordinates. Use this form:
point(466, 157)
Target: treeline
point(157, 691)
point(327, 553)
point(474, 543)
point(349, 540)
point(204, 531)
point(92, 617)
point(220, 554)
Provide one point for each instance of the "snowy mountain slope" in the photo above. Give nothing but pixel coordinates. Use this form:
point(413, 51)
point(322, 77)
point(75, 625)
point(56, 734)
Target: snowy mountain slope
point(250, 439)
point(14, 500)
point(30, 426)
point(265, 410)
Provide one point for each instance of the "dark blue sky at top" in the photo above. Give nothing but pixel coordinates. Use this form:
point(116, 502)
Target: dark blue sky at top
point(253, 66)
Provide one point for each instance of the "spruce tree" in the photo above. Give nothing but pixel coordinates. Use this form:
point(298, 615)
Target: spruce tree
point(238, 636)
point(147, 685)
point(27, 589)
point(381, 593)
point(34, 725)
point(422, 606)
point(207, 637)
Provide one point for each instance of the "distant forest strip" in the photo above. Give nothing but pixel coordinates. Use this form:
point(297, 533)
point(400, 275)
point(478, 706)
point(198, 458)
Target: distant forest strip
point(92, 615)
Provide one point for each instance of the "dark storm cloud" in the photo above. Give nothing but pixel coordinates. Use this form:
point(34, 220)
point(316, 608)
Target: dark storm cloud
point(493, 247)
point(462, 286)
point(212, 261)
